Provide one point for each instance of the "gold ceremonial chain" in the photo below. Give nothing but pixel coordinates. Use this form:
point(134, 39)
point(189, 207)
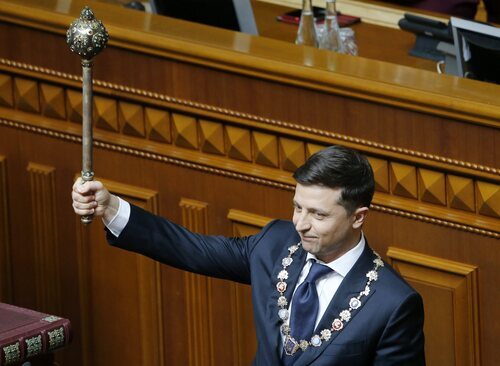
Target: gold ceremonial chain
point(291, 345)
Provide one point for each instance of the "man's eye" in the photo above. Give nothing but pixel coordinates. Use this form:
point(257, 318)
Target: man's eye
point(319, 216)
point(298, 209)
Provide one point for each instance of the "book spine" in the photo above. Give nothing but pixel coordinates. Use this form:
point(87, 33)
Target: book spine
point(35, 343)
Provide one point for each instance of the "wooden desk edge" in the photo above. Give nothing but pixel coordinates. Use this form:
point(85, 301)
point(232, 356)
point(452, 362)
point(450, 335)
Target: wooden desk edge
point(376, 81)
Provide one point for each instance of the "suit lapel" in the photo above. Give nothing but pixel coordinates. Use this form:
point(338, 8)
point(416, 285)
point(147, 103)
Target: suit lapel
point(353, 283)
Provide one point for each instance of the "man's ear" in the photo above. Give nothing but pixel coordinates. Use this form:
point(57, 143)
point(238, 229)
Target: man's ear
point(359, 217)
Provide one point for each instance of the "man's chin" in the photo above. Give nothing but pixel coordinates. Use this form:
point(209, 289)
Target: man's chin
point(309, 245)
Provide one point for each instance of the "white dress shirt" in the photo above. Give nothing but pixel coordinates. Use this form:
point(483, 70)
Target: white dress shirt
point(328, 285)
point(120, 220)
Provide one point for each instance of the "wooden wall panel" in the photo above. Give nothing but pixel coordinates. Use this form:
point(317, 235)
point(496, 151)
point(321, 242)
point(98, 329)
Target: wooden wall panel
point(450, 293)
point(244, 338)
point(5, 260)
point(45, 237)
point(120, 294)
point(206, 298)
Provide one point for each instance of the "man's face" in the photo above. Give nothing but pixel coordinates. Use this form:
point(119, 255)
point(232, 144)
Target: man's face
point(325, 227)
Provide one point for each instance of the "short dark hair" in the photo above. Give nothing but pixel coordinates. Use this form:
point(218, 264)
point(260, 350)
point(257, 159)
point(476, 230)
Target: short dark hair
point(340, 167)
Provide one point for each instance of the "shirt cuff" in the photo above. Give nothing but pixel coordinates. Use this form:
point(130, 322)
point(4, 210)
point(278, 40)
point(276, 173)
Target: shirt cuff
point(120, 220)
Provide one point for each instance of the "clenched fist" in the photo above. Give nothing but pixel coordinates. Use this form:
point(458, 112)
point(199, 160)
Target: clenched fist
point(92, 198)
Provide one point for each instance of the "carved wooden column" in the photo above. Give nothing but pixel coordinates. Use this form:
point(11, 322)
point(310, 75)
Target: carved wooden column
point(45, 237)
point(198, 292)
point(5, 261)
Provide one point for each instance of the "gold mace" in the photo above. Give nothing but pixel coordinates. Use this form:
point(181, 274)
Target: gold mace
point(87, 37)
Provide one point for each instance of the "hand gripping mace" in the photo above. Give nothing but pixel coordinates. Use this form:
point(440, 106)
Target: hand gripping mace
point(87, 36)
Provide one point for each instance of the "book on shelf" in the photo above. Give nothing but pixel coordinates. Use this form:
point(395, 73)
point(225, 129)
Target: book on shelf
point(27, 333)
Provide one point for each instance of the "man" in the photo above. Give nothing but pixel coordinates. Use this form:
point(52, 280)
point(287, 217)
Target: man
point(321, 296)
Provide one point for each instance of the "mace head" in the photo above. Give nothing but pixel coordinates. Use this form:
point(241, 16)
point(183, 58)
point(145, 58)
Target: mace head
point(87, 36)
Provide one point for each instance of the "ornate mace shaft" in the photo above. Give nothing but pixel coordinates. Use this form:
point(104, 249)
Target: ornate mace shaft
point(87, 37)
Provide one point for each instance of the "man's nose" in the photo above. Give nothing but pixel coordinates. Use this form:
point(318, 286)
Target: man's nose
point(303, 223)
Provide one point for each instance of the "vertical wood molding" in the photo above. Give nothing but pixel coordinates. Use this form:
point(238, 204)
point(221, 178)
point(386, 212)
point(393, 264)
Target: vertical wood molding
point(45, 240)
point(5, 260)
point(237, 328)
point(82, 240)
point(450, 293)
point(150, 299)
point(198, 292)
point(148, 286)
point(244, 337)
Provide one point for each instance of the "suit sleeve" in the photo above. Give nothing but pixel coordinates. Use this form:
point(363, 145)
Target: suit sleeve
point(402, 341)
point(174, 245)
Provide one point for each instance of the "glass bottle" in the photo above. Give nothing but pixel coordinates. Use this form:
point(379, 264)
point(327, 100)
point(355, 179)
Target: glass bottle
point(330, 37)
point(348, 41)
point(306, 34)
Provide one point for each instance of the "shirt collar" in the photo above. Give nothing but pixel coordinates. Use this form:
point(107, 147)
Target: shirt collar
point(343, 264)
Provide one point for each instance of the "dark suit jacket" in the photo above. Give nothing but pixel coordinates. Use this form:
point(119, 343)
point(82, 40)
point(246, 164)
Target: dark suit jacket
point(385, 330)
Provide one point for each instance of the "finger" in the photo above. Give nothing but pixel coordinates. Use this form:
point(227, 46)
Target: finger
point(87, 187)
point(82, 188)
point(97, 185)
point(84, 206)
point(77, 197)
point(83, 212)
point(78, 182)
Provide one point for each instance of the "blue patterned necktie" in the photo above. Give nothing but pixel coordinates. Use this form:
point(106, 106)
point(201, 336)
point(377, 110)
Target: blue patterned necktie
point(305, 306)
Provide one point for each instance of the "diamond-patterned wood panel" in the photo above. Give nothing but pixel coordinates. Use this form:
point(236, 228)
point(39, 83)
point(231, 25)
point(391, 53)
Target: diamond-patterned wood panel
point(313, 148)
point(488, 199)
point(403, 180)
point(381, 173)
point(292, 154)
point(265, 149)
point(131, 119)
point(185, 132)
point(157, 124)
point(74, 105)
point(212, 137)
point(239, 145)
point(6, 92)
point(460, 192)
point(105, 114)
point(432, 186)
point(26, 95)
point(52, 101)
point(227, 137)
